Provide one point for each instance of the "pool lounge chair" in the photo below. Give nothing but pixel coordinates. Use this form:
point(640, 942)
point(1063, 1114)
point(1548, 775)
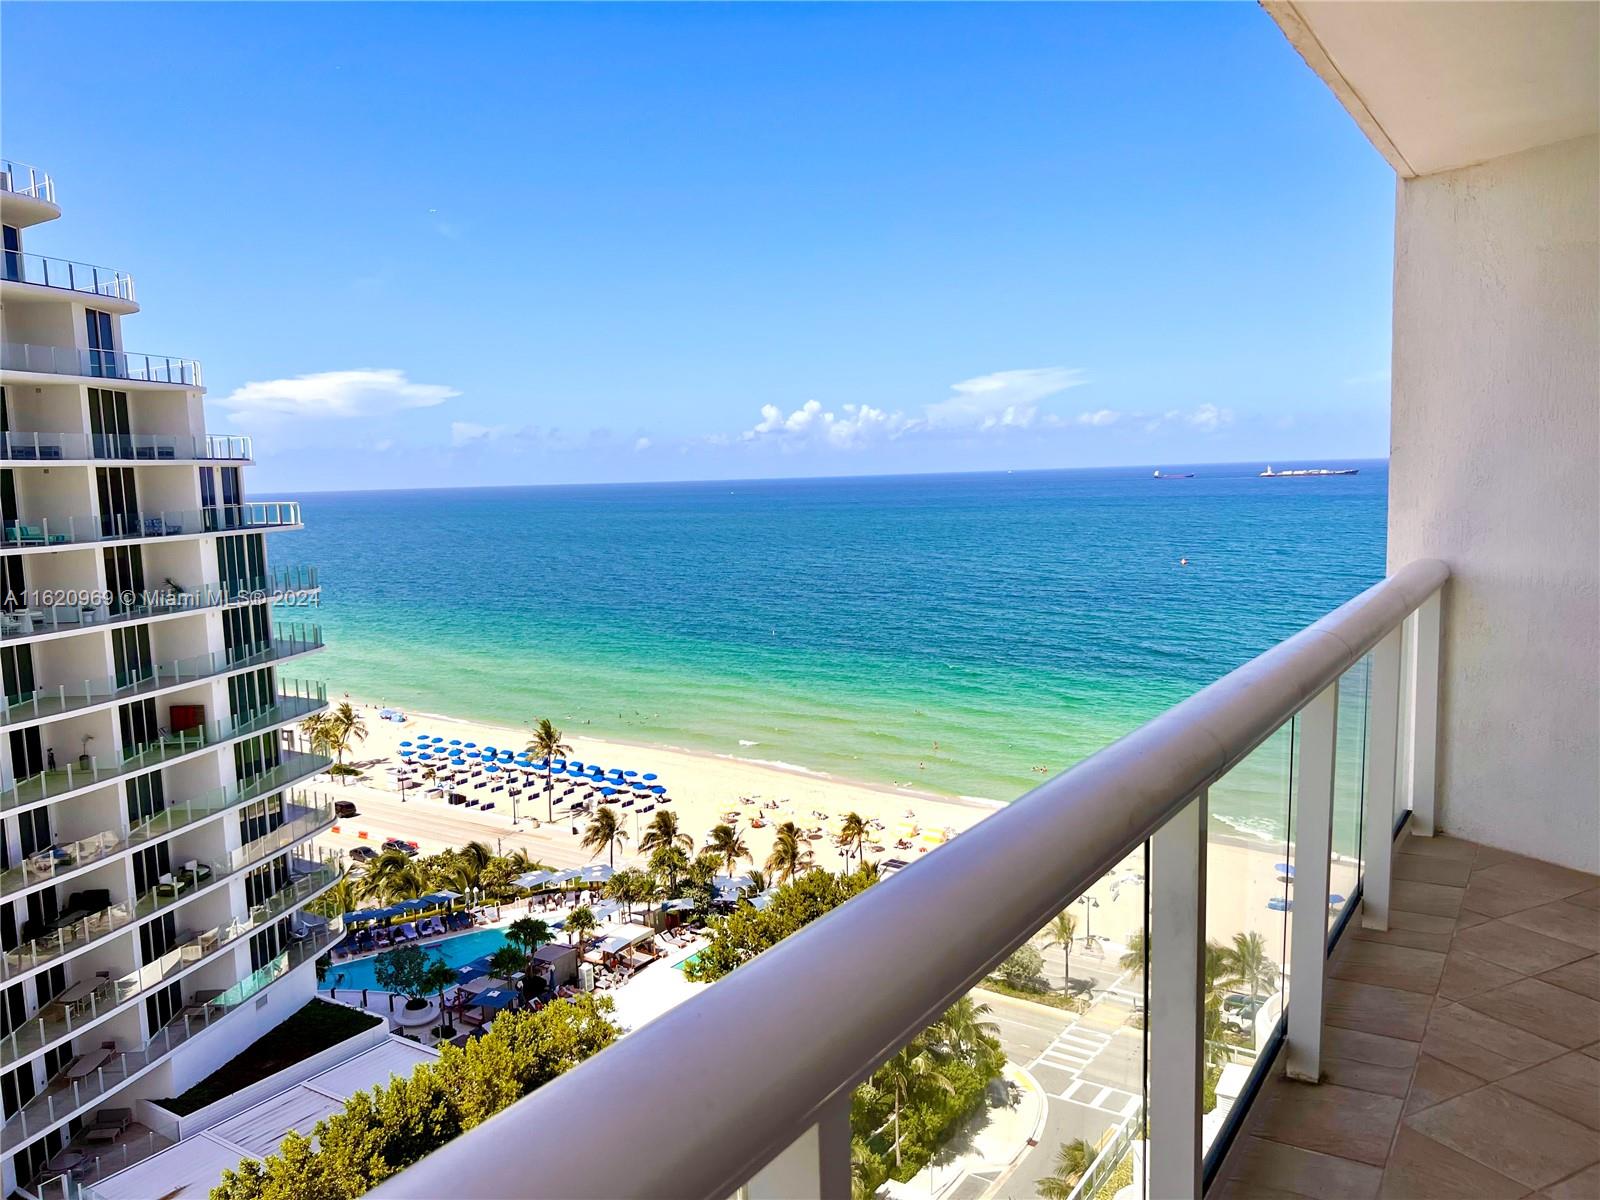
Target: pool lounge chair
point(408, 932)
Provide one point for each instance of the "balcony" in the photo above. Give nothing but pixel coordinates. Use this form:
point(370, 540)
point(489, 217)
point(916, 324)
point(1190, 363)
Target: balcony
point(282, 583)
point(66, 1098)
point(67, 275)
point(100, 364)
point(55, 448)
point(304, 699)
point(60, 1018)
point(290, 641)
point(22, 180)
point(52, 534)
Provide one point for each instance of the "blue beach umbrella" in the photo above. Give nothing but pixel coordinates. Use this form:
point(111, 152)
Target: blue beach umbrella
point(1335, 900)
point(407, 742)
point(455, 741)
point(630, 774)
point(492, 769)
point(1283, 869)
point(470, 745)
point(1279, 904)
point(576, 763)
point(658, 790)
point(425, 756)
point(649, 777)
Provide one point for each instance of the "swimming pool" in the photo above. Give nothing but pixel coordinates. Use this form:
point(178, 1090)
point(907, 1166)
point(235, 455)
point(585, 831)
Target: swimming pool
point(695, 957)
point(457, 951)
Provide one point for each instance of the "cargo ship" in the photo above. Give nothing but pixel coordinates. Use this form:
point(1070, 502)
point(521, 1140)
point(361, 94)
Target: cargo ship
point(1302, 473)
point(1171, 475)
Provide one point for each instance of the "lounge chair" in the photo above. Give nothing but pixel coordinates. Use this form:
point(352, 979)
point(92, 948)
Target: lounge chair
point(381, 939)
point(408, 931)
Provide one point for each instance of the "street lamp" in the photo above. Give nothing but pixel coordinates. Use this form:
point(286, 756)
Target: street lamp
point(1089, 905)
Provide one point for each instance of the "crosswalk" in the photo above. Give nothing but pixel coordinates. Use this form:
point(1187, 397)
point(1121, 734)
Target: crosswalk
point(1074, 1048)
point(1099, 1096)
point(1070, 1054)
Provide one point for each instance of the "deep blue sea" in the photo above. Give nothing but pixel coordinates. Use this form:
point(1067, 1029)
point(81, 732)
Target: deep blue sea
point(964, 633)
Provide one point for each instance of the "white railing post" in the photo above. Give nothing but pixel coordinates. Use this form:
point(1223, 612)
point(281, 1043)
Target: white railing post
point(1177, 940)
point(1424, 732)
point(816, 1164)
point(1308, 923)
point(1383, 739)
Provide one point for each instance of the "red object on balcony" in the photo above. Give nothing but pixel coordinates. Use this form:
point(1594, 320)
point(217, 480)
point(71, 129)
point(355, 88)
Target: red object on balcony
point(188, 716)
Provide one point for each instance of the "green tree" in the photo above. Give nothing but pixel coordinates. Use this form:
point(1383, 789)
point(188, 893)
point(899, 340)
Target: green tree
point(546, 743)
point(318, 731)
point(1133, 958)
point(669, 864)
point(747, 931)
point(728, 844)
point(1073, 1159)
point(507, 961)
point(407, 971)
point(381, 1132)
point(629, 886)
point(1060, 932)
point(663, 831)
point(963, 1028)
point(1248, 961)
point(391, 877)
point(344, 725)
point(606, 833)
point(527, 934)
point(914, 1067)
point(790, 853)
point(1022, 969)
point(580, 923)
point(853, 834)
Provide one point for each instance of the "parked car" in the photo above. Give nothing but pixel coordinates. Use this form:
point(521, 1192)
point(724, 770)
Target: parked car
point(363, 854)
point(1239, 1011)
point(401, 845)
point(345, 808)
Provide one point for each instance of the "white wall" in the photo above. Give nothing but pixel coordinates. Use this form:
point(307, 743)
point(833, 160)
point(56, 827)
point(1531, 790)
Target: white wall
point(1495, 468)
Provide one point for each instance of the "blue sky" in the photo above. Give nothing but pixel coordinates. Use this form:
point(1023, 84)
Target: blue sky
point(453, 245)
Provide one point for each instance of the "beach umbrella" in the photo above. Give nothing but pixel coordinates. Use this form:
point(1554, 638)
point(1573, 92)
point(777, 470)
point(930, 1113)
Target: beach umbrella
point(630, 774)
point(650, 777)
point(658, 790)
point(470, 745)
point(559, 764)
point(1283, 869)
point(576, 763)
point(425, 756)
point(1335, 900)
point(1279, 904)
point(492, 769)
point(407, 742)
point(455, 741)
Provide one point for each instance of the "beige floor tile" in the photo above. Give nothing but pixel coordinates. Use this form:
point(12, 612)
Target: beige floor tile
point(1426, 868)
point(1569, 1085)
point(1419, 939)
point(1542, 1008)
point(1259, 1163)
point(1391, 1012)
point(1372, 1048)
point(1466, 975)
point(1585, 1185)
point(1513, 886)
point(1435, 1081)
point(1592, 1051)
point(1520, 949)
point(1400, 967)
point(1563, 920)
point(1524, 1142)
point(1582, 977)
point(1440, 846)
point(1589, 899)
point(1467, 919)
point(1329, 1119)
point(1423, 1169)
point(1477, 1042)
point(1434, 899)
point(1368, 1077)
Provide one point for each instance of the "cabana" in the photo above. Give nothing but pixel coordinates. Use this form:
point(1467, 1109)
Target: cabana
point(626, 944)
point(557, 962)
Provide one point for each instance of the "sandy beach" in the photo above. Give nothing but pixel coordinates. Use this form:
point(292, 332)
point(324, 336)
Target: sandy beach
point(705, 789)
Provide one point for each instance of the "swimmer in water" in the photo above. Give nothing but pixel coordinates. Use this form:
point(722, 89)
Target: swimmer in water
point(1183, 562)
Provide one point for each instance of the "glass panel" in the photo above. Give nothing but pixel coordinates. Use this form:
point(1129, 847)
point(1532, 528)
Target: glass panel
point(1249, 891)
point(1349, 788)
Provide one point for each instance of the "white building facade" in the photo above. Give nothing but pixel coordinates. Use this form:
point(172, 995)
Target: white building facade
point(156, 848)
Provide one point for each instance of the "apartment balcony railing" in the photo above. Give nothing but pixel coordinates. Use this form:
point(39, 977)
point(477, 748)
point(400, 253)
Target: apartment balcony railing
point(100, 364)
point(56, 1020)
point(23, 180)
point(65, 1098)
point(823, 1009)
point(282, 583)
point(299, 700)
point(49, 532)
point(125, 447)
point(288, 642)
point(64, 273)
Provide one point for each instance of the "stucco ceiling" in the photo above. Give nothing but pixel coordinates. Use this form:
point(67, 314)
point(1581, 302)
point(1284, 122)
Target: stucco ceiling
point(1439, 84)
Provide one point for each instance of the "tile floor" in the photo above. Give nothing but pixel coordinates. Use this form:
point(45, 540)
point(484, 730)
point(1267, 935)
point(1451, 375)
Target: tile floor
point(1462, 1054)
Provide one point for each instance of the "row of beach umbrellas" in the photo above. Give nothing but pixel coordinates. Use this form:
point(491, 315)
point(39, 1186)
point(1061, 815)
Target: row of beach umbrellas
point(425, 748)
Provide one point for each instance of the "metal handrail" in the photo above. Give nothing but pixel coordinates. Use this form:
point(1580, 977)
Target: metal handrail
point(30, 533)
point(20, 179)
point(99, 364)
point(20, 267)
point(50, 446)
point(893, 959)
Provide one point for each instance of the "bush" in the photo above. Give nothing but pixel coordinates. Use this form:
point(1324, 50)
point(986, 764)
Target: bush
point(1022, 969)
point(381, 1132)
point(747, 931)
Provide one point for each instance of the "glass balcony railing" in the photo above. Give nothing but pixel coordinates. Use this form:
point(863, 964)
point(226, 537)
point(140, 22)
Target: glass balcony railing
point(299, 700)
point(66, 1097)
point(45, 532)
point(289, 641)
point(60, 1019)
point(99, 364)
point(20, 179)
point(125, 447)
point(64, 273)
point(94, 608)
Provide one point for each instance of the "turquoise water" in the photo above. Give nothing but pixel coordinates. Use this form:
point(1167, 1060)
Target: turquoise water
point(456, 951)
point(693, 958)
point(964, 633)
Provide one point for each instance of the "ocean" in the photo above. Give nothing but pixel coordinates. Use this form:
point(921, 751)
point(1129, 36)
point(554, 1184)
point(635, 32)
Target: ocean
point(967, 634)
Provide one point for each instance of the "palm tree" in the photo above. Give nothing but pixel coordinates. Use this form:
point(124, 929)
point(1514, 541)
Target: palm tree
point(319, 733)
point(345, 726)
point(1247, 959)
point(853, 833)
point(669, 864)
point(628, 885)
point(758, 880)
point(728, 845)
point(340, 898)
point(1073, 1159)
point(605, 832)
point(962, 1027)
point(790, 854)
point(546, 743)
point(580, 923)
point(507, 961)
point(914, 1065)
point(527, 934)
point(1133, 959)
point(1059, 933)
point(392, 877)
point(663, 831)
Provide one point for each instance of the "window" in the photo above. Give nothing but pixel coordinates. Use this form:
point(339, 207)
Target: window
point(102, 343)
point(13, 246)
point(241, 563)
point(261, 818)
point(246, 630)
point(146, 796)
point(157, 937)
point(119, 501)
point(250, 694)
point(28, 757)
point(16, 669)
point(124, 576)
point(131, 649)
point(254, 756)
point(109, 424)
point(261, 884)
point(163, 1006)
point(140, 727)
point(269, 943)
point(149, 865)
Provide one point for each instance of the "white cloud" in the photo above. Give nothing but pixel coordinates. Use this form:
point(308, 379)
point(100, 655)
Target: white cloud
point(1100, 417)
point(1000, 401)
point(642, 444)
point(356, 393)
point(465, 433)
point(1208, 418)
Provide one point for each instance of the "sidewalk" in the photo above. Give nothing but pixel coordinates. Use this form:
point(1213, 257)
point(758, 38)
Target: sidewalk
point(992, 1142)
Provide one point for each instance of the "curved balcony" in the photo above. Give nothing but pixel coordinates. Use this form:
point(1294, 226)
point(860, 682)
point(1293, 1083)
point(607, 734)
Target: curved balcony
point(17, 267)
point(20, 179)
point(53, 448)
point(63, 699)
point(304, 699)
point(48, 533)
point(99, 364)
point(282, 583)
